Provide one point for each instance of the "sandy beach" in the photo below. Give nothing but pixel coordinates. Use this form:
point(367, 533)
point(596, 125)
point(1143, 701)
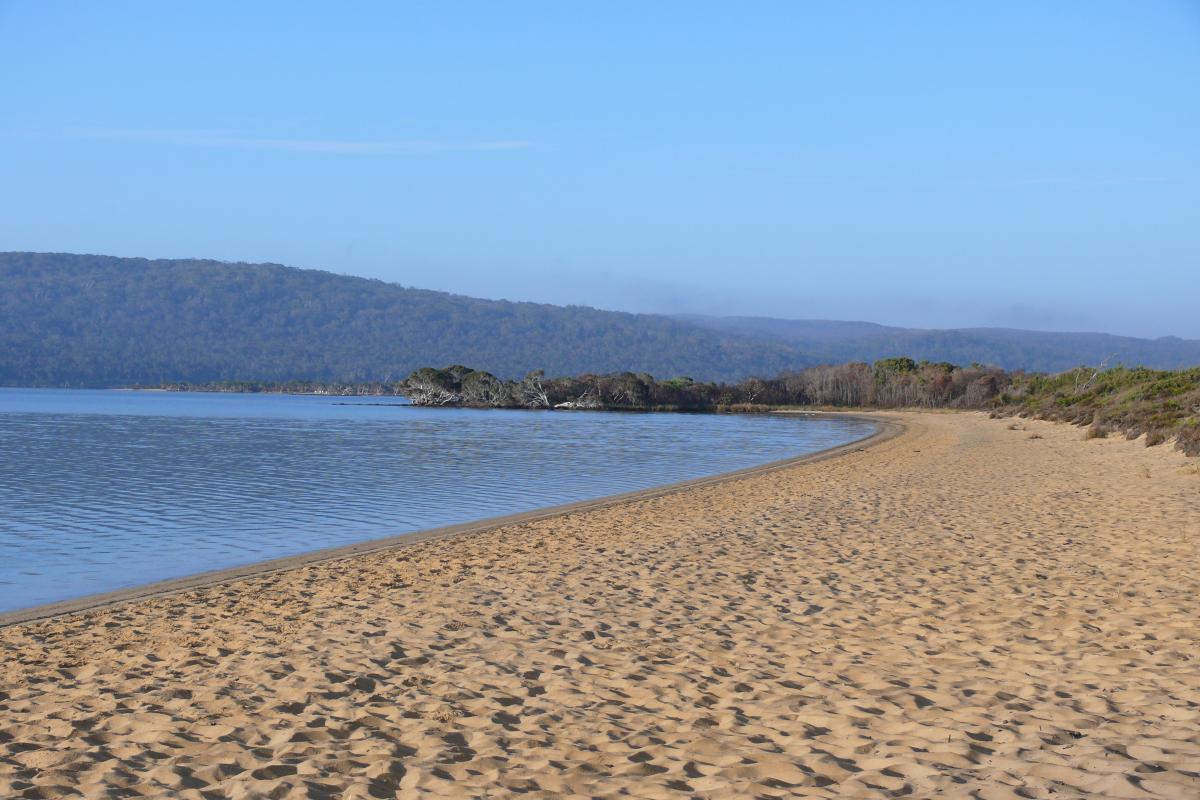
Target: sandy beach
point(975, 608)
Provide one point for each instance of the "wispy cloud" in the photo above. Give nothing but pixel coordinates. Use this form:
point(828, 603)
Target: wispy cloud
point(219, 139)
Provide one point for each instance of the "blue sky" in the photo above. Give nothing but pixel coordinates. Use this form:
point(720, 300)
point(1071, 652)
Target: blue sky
point(935, 164)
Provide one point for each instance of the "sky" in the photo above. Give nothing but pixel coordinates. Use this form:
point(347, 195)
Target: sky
point(927, 164)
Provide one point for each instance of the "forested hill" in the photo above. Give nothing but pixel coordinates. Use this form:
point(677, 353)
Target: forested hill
point(834, 342)
point(82, 320)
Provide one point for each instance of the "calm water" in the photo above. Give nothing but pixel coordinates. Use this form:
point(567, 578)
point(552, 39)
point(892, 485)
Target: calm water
point(101, 490)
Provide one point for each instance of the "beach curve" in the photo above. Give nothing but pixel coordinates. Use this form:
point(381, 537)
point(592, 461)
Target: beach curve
point(883, 429)
point(971, 608)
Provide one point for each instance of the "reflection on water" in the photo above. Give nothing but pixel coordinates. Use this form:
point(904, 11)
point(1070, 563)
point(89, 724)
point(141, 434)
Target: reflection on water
point(101, 490)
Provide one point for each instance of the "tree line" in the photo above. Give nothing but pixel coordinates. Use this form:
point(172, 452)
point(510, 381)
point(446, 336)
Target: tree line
point(887, 383)
point(1162, 405)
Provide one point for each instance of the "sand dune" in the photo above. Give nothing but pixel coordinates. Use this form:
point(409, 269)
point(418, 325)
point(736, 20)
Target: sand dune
point(962, 611)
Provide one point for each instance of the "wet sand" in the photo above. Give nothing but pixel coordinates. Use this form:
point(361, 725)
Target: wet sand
point(961, 611)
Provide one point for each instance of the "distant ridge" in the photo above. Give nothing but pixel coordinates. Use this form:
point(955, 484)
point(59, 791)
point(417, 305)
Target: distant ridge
point(831, 341)
point(90, 320)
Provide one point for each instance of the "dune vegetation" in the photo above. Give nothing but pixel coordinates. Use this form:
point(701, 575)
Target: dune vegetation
point(1161, 405)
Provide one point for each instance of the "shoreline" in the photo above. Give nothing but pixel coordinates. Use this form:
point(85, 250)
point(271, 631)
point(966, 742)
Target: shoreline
point(885, 429)
point(974, 608)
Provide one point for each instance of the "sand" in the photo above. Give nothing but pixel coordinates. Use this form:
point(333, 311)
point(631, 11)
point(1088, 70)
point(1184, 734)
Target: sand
point(962, 611)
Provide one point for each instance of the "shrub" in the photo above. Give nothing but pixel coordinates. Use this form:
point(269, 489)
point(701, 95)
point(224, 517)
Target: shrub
point(1154, 437)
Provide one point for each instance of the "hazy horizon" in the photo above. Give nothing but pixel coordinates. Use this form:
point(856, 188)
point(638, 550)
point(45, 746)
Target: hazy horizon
point(1015, 165)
